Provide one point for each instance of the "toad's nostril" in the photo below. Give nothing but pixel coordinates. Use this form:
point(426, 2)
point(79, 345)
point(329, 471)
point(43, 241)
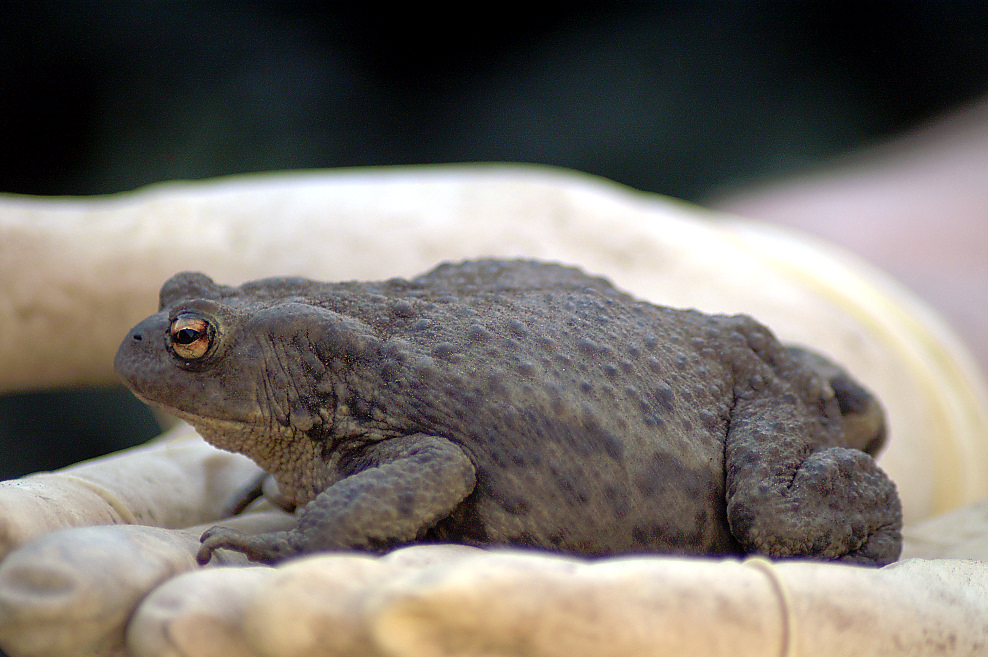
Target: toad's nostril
point(137, 337)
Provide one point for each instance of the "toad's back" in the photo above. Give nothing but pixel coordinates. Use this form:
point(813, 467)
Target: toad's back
point(580, 406)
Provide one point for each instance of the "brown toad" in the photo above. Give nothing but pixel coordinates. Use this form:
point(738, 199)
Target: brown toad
point(508, 402)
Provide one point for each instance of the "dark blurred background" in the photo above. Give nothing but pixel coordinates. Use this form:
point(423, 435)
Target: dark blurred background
point(683, 98)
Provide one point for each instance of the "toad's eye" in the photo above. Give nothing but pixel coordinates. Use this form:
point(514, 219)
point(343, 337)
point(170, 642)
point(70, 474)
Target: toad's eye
point(191, 336)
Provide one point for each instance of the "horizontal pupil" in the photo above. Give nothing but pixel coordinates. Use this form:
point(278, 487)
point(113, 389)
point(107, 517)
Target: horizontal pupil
point(187, 336)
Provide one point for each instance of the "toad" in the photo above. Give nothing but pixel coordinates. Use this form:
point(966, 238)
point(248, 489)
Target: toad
point(518, 403)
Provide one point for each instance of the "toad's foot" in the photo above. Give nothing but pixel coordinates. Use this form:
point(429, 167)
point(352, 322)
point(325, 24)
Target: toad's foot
point(266, 548)
point(838, 505)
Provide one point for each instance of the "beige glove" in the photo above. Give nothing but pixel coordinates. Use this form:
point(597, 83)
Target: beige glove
point(454, 600)
point(176, 481)
point(95, 267)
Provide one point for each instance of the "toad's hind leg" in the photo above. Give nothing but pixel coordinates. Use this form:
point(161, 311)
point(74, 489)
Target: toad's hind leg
point(785, 500)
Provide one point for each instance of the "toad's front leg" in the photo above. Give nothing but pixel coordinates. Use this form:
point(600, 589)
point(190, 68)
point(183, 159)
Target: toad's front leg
point(402, 487)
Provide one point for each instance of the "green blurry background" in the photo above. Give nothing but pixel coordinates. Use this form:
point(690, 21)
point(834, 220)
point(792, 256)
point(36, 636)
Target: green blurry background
point(683, 98)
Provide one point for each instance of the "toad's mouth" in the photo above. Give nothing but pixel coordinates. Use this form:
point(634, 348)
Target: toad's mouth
point(198, 421)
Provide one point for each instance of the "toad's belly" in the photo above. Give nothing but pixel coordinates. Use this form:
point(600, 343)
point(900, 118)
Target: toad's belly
point(596, 506)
